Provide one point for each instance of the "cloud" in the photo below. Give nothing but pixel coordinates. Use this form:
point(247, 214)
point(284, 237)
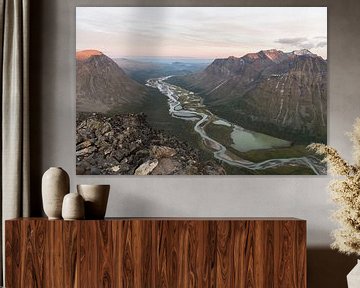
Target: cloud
point(306, 45)
point(321, 44)
point(193, 31)
point(303, 42)
point(292, 41)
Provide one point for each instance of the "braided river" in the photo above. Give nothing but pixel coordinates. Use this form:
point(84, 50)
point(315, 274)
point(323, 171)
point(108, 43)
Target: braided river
point(188, 106)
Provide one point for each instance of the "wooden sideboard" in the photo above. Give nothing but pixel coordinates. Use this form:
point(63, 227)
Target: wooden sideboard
point(156, 252)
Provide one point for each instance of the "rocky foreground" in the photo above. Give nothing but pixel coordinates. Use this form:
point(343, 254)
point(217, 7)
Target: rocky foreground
point(127, 145)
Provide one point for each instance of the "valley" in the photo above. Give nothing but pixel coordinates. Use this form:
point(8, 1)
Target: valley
point(273, 92)
point(141, 69)
point(249, 115)
point(231, 143)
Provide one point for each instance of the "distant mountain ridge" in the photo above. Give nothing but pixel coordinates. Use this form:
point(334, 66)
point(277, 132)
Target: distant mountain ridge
point(101, 85)
point(141, 71)
point(271, 91)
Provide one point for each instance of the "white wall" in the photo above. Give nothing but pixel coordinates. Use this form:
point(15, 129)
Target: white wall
point(53, 124)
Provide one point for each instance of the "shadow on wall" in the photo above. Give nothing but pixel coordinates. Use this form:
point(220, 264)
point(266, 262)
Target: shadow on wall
point(328, 268)
point(37, 9)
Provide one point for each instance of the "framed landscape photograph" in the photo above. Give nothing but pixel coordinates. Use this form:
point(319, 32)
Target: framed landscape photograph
point(200, 90)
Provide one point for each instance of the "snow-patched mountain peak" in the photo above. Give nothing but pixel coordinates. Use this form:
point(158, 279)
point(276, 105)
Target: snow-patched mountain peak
point(273, 54)
point(303, 52)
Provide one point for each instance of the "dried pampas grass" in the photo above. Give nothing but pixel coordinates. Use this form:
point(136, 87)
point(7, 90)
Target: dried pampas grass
point(345, 191)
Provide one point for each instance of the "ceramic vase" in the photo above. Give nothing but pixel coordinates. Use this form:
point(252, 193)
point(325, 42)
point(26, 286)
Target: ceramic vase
point(353, 278)
point(96, 198)
point(55, 185)
point(73, 207)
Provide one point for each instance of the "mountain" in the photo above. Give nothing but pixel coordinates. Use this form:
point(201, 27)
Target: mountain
point(278, 93)
point(102, 85)
point(144, 70)
point(304, 52)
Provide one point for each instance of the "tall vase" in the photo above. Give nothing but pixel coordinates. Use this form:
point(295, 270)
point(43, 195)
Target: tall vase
point(353, 278)
point(55, 185)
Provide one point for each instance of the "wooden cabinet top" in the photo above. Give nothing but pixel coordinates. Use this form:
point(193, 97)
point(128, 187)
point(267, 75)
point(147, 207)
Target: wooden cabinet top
point(270, 219)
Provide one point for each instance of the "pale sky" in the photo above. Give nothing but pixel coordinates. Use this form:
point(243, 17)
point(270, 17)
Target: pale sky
point(200, 32)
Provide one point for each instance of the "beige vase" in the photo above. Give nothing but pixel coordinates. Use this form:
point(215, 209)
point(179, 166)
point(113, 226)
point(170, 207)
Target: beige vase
point(96, 198)
point(73, 207)
point(353, 278)
point(55, 185)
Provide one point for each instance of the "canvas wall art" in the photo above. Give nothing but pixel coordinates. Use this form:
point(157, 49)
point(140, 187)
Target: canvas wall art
point(200, 90)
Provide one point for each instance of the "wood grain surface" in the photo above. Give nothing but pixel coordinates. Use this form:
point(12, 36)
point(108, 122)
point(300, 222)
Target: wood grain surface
point(162, 252)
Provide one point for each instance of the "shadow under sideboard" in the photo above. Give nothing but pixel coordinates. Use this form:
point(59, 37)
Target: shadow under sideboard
point(328, 268)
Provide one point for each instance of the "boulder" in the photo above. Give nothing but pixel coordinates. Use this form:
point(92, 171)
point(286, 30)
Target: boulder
point(167, 166)
point(147, 167)
point(162, 152)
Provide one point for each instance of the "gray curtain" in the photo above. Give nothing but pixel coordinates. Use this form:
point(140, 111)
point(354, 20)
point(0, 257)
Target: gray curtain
point(14, 27)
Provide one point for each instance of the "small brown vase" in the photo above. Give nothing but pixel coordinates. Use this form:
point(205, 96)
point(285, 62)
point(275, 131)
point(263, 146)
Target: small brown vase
point(96, 198)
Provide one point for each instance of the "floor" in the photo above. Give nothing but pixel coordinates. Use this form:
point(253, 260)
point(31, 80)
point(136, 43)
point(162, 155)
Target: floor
point(328, 268)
